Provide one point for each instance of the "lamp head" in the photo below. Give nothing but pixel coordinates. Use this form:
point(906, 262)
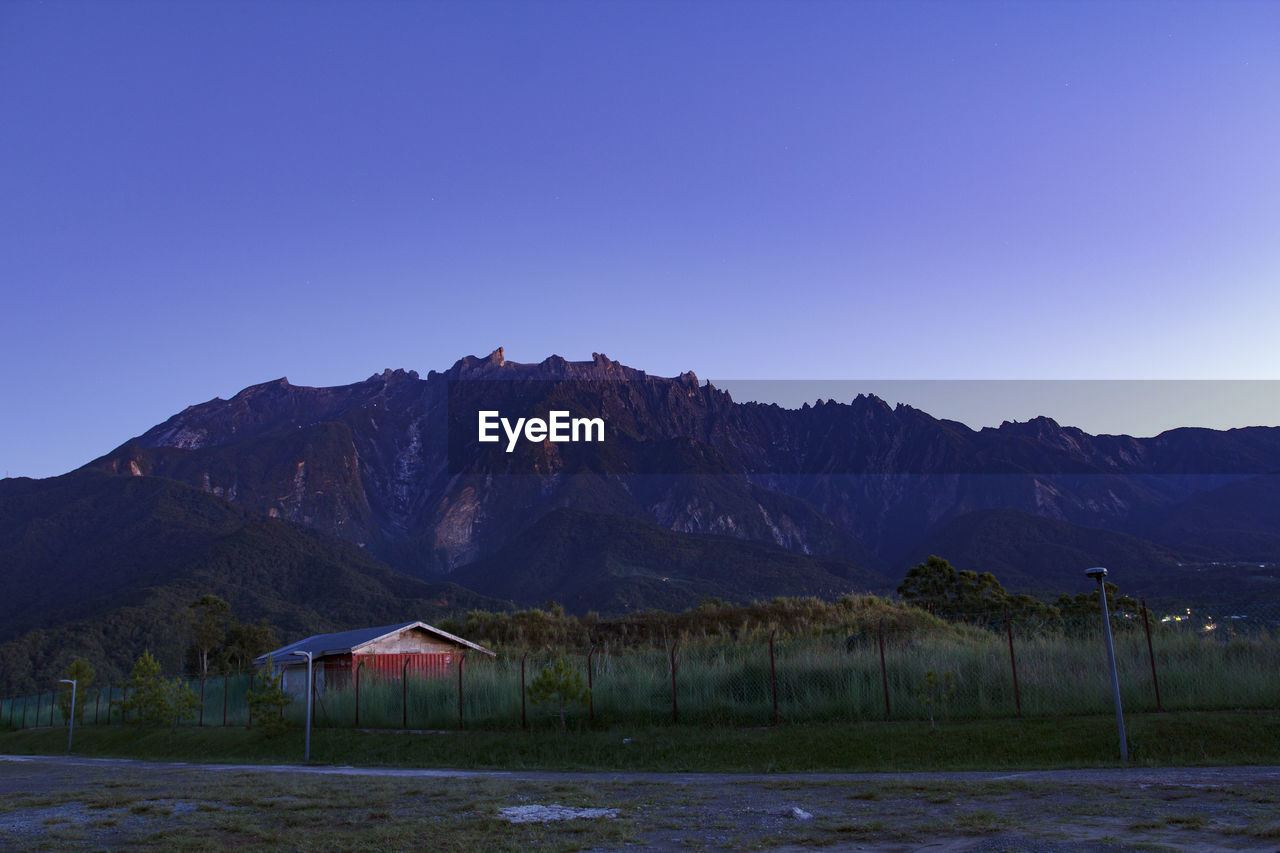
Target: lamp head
point(1097, 573)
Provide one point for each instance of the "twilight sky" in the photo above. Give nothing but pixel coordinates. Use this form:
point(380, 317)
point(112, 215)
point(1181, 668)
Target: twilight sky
point(200, 196)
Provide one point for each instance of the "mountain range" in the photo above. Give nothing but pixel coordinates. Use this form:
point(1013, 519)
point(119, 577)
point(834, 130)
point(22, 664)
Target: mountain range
point(689, 495)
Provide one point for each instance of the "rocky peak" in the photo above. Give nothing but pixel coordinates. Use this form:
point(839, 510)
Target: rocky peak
point(397, 375)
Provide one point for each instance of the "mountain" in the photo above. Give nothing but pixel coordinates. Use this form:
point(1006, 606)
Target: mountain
point(394, 464)
point(328, 508)
point(1044, 555)
point(99, 566)
point(590, 561)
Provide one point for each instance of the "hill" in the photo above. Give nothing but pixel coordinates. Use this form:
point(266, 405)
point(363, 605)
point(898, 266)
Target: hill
point(98, 566)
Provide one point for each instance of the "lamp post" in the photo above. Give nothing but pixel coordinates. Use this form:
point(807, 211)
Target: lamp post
point(307, 751)
point(1098, 573)
point(71, 721)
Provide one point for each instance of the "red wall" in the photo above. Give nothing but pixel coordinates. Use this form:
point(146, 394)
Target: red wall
point(339, 669)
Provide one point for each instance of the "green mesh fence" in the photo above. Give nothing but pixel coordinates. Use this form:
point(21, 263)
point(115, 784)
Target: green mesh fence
point(986, 668)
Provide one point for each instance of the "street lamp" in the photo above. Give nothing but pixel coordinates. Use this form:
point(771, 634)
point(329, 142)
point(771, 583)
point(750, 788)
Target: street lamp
point(72, 721)
point(307, 655)
point(1098, 573)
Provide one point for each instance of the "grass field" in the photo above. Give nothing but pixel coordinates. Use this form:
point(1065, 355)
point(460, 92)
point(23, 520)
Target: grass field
point(1181, 738)
point(54, 805)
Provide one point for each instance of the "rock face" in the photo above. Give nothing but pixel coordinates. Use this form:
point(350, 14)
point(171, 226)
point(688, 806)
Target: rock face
point(378, 463)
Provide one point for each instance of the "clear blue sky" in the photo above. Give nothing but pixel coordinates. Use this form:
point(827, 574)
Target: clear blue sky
point(200, 196)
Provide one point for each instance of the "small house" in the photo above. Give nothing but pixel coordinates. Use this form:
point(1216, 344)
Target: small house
point(410, 649)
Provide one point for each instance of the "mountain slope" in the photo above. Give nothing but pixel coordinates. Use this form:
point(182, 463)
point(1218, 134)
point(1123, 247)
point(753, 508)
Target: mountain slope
point(98, 566)
point(1044, 555)
point(588, 561)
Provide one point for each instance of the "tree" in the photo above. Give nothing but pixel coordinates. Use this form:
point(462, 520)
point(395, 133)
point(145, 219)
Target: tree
point(247, 641)
point(82, 674)
point(1082, 610)
point(935, 692)
point(937, 586)
point(559, 686)
point(209, 617)
point(267, 701)
point(154, 699)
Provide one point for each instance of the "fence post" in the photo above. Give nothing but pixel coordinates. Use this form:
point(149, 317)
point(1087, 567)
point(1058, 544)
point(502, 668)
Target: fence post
point(252, 678)
point(591, 696)
point(884, 672)
point(24, 711)
point(226, 679)
point(675, 707)
point(1013, 665)
point(52, 701)
point(773, 676)
point(1151, 655)
point(462, 663)
point(201, 723)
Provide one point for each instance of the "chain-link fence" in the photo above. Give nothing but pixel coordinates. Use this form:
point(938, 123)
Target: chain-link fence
point(992, 665)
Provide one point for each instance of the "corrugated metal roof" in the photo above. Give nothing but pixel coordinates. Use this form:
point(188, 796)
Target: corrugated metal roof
point(346, 642)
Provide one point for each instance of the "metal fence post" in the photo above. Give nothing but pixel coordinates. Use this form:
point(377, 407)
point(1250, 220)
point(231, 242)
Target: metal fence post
point(884, 672)
point(52, 701)
point(675, 707)
point(1151, 655)
point(201, 723)
point(1013, 666)
point(773, 676)
point(226, 678)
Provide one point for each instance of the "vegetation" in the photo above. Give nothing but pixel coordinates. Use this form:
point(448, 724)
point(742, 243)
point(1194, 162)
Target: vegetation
point(154, 700)
point(170, 545)
point(615, 564)
point(82, 674)
point(267, 702)
point(713, 620)
point(210, 619)
point(935, 692)
point(217, 633)
point(1180, 738)
point(938, 587)
point(560, 687)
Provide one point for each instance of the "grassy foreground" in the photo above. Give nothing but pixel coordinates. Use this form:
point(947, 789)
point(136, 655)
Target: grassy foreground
point(1187, 738)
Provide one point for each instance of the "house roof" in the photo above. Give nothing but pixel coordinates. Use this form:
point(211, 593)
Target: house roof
point(352, 642)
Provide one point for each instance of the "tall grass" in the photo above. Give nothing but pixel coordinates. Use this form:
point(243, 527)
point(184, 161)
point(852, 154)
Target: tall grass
point(827, 678)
